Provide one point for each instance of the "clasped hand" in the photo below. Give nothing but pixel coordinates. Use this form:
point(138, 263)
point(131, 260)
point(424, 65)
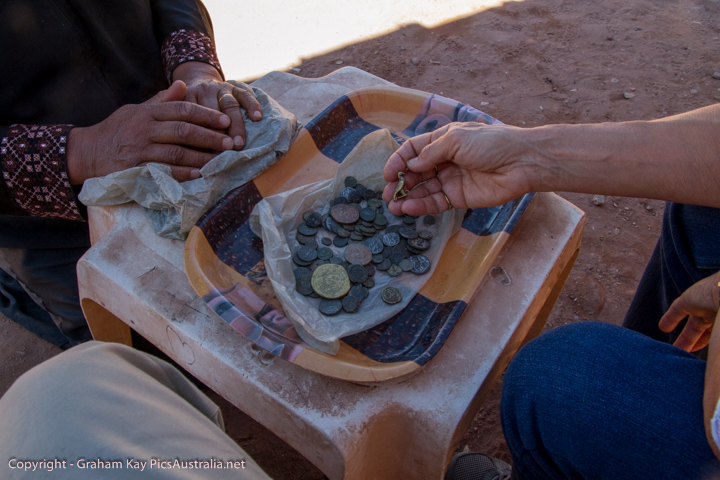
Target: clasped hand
point(172, 128)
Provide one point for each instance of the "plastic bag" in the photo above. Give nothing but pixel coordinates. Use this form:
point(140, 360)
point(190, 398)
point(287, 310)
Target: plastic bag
point(276, 218)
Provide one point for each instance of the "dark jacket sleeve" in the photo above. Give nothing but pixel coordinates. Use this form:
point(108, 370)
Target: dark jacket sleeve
point(105, 53)
point(184, 29)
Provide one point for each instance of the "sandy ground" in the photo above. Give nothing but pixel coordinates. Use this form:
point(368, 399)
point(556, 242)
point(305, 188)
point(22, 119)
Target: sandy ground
point(526, 63)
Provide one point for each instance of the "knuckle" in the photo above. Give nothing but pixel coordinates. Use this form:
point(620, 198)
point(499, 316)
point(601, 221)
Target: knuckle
point(174, 155)
point(229, 103)
point(185, 109)
point(182, 130)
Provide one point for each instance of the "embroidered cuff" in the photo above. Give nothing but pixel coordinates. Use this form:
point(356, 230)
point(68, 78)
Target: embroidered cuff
point(188, 46)
point(34, 169)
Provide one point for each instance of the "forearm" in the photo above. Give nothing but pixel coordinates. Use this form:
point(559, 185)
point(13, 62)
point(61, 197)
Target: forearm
point(669, 159)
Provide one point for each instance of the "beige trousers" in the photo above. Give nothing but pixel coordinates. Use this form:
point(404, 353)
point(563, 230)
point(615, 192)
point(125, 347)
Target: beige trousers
point(104, 410)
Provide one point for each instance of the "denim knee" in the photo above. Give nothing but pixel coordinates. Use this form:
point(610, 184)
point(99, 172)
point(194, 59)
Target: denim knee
point(595, 400)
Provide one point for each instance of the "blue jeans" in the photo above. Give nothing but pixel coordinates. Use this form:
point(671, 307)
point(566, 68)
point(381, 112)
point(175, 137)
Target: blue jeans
point(39, 291)
point(594, 400)
point(686, 252)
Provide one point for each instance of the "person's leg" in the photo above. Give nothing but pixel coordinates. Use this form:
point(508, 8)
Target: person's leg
point(102, 402)
point(594, 400)
point(49, 278)
point(686, 253)
point(17, 305)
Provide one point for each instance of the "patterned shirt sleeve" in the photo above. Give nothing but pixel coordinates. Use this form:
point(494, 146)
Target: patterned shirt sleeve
point(33, 160)
point(188, 46)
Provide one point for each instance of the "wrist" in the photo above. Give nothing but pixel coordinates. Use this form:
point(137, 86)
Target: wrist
point(540, 162)
point(190, 72)
point(77, 168)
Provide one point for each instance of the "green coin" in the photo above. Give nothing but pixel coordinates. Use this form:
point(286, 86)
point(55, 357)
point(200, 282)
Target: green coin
point(330, 281)
point(394, 270)
point(391, 295)
point(406, 265)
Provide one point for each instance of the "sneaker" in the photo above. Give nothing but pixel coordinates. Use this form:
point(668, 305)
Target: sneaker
point(477, 466)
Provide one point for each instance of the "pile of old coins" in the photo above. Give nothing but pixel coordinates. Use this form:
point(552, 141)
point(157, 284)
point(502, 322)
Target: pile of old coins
point(358, 241)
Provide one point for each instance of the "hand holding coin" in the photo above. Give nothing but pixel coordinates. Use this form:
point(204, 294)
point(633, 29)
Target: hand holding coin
point(460, 165)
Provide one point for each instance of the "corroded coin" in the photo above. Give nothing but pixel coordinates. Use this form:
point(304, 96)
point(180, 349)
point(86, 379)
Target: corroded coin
point(421, 264)
point(305, 240)
point(350, 304)
point(358, 253)
point(307, 254)
point(300, 271)
point(374, 203)
point(330, 307)
point(384, 265)
point(305, 229)
point(391, 239)
point(358, 292)
point(428, 220)
point(340, 242)
point(408, 232)
point(394, 270)
point(330, 281)
point(375, 245)
point(406, 265)
point(324, 253)
point(357, 273)
point(368, 214)
point(391, 295)
point(419, 243)
point(303, 284)
point(298, 261)
point(313, 219)
point(344, 214)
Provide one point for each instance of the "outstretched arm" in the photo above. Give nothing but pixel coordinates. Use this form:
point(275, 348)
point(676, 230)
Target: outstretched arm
point(487, 165)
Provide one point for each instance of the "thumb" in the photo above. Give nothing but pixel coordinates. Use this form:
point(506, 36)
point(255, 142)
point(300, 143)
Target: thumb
point(174, 93)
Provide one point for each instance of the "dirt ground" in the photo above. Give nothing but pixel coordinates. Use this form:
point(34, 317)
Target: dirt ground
point(527, 63)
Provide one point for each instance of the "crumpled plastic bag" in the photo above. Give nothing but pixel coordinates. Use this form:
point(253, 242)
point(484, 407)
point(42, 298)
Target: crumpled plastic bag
point(173, 207)
point(275, 219)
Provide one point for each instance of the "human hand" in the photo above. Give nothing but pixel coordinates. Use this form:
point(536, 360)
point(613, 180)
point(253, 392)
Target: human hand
point(461, 165)
point(163, 129)
point(206, 87)
point(699, 304)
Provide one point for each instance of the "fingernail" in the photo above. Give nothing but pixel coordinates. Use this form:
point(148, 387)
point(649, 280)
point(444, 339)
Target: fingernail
point(239, 141)
point(227, 143)
point(225, 120)
point(195, 173)
point(257, 115)
point(412, 162)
